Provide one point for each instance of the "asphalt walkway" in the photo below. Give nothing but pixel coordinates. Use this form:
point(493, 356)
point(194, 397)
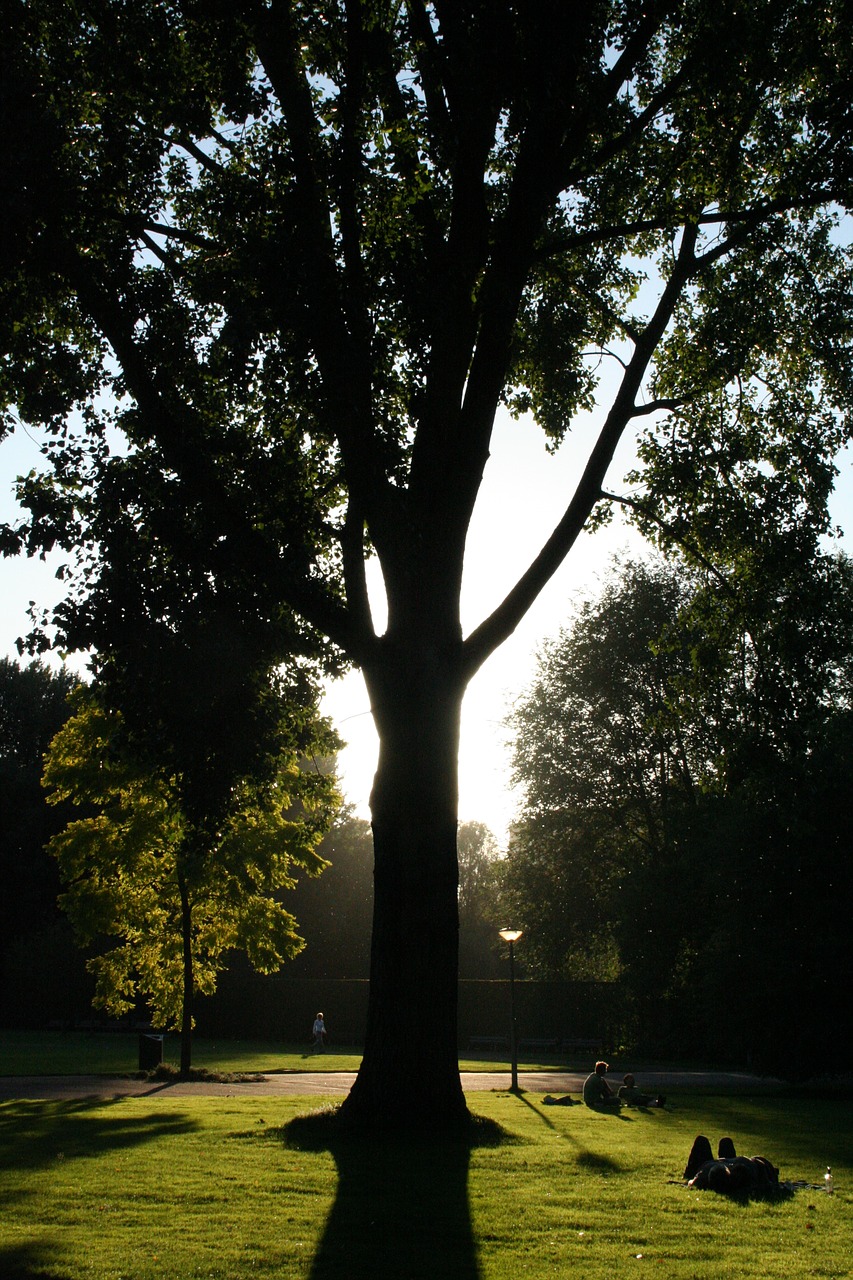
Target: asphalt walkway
point(309, 1083)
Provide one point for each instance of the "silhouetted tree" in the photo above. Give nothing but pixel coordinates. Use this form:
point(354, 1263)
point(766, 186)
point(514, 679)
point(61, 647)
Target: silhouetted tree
point(335, 912)
point(300, 256)
point(680, 825)
point(33, 706)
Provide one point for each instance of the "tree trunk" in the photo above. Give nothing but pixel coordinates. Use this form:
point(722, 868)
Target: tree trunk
point(188, 979)
point(410, 1071)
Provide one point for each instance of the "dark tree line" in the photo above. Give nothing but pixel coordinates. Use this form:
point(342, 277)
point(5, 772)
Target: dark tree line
point(34, 935)
point(685, 770)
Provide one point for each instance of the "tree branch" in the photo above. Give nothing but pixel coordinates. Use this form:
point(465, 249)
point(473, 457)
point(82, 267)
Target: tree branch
point(167, 260)
point(345, 373)
point(199, 155)
point(186, 450)
point(633, 504)
point(179, 233)
point(625, 230)
point(429, 58)
point(503, 621)
point(657, 406)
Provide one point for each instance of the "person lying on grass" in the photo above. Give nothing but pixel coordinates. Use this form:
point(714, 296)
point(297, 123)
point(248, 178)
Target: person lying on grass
point(730, 1174)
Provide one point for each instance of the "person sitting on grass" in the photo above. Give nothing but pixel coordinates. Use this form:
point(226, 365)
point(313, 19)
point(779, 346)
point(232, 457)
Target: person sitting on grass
point(634, 1097)
point(597, 1092)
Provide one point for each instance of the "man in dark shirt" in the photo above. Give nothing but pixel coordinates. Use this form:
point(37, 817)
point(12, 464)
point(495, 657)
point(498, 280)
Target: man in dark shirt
point(597, 1092)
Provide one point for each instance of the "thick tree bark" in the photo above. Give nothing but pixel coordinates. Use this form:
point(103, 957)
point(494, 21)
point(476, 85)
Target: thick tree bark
point(410, 1073)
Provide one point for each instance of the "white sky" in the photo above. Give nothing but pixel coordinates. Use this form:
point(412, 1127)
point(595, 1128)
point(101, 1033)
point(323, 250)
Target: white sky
point(524, 492)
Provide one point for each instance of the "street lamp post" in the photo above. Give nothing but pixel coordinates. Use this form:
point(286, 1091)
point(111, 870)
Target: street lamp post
point(512, 936)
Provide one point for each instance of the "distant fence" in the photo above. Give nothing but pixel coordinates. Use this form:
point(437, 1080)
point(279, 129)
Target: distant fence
point(282, 1008)
point(46, 982)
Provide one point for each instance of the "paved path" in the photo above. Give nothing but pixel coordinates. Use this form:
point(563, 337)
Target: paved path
point(308, 1083)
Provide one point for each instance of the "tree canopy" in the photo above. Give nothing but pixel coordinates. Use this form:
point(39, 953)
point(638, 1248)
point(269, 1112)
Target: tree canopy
point(152, 890)
point(681, 822)
point(298, 256)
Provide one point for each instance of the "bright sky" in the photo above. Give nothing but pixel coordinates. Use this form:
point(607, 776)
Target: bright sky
point(525, 490)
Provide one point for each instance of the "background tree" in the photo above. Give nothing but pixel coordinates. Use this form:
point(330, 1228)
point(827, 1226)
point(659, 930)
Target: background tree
point(335, 912)
point(33, 707)
point(479, 912)
point(674, 799)
point(171, 896)
point(299, 256)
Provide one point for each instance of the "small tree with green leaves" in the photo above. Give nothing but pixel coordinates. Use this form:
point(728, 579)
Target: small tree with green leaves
point(171, 899)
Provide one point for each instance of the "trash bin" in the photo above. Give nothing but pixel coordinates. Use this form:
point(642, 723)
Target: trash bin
point(150, 1052)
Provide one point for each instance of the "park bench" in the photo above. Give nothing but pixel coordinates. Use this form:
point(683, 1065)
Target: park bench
point(488, 1042)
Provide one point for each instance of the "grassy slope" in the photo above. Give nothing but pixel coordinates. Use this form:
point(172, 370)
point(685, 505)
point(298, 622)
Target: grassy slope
point(155, 1187)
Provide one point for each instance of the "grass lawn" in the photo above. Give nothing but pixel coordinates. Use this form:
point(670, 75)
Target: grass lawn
point(216, 1187)
point(117, 1053)
point(42, 1053)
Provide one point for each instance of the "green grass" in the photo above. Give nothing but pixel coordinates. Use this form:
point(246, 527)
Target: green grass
point(117, 1053)
point(46, 1053)
point(214, 1187)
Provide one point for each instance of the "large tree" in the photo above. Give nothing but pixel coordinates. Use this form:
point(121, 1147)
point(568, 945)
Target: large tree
point(300, 255)
point(681, 755)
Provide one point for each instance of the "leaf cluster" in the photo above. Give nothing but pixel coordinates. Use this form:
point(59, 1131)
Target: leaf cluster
point(297, 257)
point(140, 849)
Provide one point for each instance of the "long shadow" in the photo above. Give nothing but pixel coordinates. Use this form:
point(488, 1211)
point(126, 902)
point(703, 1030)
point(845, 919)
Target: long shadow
point(34, 1134)
point(401, 1207)
point(536, 1109)
point(26, 1262)
point(588, 1159)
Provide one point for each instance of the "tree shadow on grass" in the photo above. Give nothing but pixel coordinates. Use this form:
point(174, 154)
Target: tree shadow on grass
point(600, 1163)
point(26, 1262)
point(401, 1206)
point(35, 1134)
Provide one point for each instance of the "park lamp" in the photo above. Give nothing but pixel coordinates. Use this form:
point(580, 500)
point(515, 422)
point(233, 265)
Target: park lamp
point(511, 936)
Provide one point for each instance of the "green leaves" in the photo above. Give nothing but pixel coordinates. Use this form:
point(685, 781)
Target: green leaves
point(680, 756)
point(309, 253)
point(124, 861)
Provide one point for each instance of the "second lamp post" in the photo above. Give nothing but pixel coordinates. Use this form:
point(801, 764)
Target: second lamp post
point(512, 936)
